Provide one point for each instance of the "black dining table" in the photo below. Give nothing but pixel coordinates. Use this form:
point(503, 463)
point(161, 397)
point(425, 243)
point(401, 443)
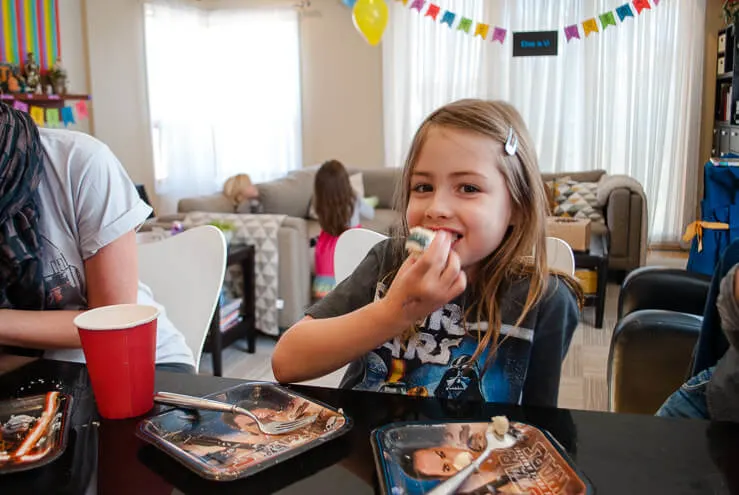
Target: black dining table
point(617, 453)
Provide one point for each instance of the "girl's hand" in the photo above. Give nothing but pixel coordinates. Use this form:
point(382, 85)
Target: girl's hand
point(425, 283)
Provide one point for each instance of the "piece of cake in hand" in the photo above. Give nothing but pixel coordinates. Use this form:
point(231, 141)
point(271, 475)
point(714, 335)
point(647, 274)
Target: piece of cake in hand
point(419, 240)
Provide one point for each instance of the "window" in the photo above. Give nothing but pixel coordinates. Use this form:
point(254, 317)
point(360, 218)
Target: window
point(224, 95)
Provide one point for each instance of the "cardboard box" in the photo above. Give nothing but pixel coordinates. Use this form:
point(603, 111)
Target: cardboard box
point(574, 231)
point(588, 280)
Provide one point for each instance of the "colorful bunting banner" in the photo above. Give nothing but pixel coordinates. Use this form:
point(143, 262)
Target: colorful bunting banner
point(29, 26)
point(52, 117)
point(67, 116)
point(572, 32)
point(19, 105)
point(448, 18)
point(433, 11)
point(624, 11)
point(483, 29)
point(37, 114)
point(607, 19)
point(418, 5)
point(464, 25)
point(589, 27)
point(81, 108)
point(499, 35)
point(641, 5)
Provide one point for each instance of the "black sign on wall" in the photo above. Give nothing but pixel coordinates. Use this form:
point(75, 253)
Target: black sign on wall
point(535, 43)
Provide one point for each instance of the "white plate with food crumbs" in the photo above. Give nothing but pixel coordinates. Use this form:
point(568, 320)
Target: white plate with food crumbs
point(412, 458)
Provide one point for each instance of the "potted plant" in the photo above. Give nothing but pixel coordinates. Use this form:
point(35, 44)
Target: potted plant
point(226, 227)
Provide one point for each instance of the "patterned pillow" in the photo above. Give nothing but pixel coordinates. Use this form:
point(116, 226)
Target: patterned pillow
point(577, 199)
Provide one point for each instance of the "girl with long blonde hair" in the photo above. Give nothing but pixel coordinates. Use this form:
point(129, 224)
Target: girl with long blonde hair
point(478, 315)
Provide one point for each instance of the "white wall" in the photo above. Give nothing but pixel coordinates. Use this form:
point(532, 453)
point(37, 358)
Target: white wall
point(341, 78)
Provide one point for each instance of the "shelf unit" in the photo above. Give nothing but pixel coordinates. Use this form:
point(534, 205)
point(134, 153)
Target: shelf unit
point(44, 101)
point(726, 108)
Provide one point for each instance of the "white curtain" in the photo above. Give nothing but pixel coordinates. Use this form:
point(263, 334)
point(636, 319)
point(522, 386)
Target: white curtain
point(627, 100)
point(224, 95)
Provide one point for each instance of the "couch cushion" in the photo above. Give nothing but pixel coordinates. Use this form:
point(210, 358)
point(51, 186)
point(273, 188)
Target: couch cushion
point(214, 203)
point(576, 199)
point(289, 195)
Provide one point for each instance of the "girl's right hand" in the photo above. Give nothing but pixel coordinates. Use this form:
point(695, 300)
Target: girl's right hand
point(425, 283)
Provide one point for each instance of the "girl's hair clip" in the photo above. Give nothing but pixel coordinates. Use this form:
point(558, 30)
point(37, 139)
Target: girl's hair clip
point(511, 143)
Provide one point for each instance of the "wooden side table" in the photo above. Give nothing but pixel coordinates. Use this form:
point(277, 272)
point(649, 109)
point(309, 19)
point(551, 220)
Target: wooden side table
point(246, 328)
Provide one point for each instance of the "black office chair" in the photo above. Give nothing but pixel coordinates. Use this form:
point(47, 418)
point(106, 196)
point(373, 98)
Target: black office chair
point(145, 197)
point(660, 312)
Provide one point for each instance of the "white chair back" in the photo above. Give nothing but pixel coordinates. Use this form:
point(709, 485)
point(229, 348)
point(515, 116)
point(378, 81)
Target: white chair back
point(560, 256)
point(351, 248)
point(354, 244)
point(185, 273)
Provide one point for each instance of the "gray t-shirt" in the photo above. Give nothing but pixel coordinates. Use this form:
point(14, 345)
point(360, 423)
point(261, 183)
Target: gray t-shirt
point(723, 389)
point(435, 362)
point(86, 201)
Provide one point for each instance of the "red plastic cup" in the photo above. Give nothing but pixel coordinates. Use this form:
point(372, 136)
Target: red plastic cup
point(119, 343)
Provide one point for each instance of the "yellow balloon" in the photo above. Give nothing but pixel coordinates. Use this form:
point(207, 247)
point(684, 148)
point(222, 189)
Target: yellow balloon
point(370, 19)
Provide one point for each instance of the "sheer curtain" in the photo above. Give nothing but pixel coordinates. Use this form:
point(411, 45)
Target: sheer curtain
point(626, 100)
point(224, 95)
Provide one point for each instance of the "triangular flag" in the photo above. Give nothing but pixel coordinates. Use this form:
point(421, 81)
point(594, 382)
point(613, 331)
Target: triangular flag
point(499, 35)
point(448, 18)
point(624, 11)
point(67, 116)
point(37, 114)
point(81, 107)
point(19, 105)
point(433, 11)
point(607, 19)
point(52, 117)
point(641, 5)
point(464, 25)
point(482, 30)
point(418, 5)
point(572, 32)
point(590, 26)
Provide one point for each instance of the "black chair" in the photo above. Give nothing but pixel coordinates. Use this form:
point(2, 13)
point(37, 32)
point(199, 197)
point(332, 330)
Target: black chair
point(145, 197)
point(660, 312)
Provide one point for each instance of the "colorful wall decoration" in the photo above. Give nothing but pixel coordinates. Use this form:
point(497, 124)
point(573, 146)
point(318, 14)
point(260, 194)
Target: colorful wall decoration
point(493, 33)
point(30, 26)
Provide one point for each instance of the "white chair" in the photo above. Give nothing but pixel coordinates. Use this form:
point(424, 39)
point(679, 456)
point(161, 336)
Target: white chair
point(351, 248)
point(185, 273)
point(560, 256)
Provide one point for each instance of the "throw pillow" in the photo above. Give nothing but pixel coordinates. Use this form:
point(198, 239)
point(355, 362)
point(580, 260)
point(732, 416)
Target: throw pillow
point(357, 183)
point(576, 199)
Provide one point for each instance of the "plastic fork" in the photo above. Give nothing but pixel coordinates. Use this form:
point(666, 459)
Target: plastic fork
point(451, 485)
point(271, 428)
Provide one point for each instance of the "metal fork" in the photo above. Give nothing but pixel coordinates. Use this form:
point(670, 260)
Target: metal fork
point(451, 485)
point(271, 428)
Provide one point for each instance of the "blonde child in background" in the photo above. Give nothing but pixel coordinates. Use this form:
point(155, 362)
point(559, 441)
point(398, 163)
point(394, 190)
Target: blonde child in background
point(473, 317)
point(338, 208)
point(239, 189)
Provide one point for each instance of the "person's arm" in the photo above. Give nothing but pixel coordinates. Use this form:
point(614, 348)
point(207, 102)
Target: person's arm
point(558, 316)
point(315, 347)
point(727, 304)
point(112, 278)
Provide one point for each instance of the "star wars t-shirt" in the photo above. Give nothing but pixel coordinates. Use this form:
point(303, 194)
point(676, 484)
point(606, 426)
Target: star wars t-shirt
point(436, 361)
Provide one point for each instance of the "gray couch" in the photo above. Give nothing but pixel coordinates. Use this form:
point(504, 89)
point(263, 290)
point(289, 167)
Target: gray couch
point(291, 195)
